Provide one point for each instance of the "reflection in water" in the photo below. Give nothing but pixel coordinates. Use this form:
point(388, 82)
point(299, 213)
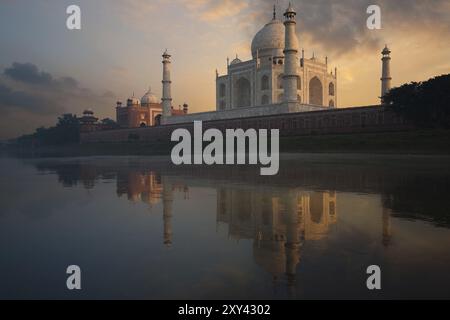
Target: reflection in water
point(278, 223)
point(141, 228)
point(279, 218)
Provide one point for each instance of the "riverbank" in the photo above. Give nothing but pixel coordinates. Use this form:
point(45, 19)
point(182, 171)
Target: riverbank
point(408, 142)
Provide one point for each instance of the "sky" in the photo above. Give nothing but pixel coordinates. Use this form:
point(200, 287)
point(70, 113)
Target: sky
point(47, 70)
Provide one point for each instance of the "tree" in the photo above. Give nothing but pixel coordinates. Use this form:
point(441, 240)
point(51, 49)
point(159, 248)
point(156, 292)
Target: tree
point(108, 123)
point(426, 104)
point(66, 131)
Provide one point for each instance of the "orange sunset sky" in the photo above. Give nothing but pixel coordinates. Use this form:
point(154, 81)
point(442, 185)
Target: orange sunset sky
point(47, 70)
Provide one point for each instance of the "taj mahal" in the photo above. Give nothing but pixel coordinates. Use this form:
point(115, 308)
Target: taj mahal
point(261, 81)
point(277, 80)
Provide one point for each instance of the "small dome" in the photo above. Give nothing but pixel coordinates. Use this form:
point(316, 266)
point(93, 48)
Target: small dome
point(133, 101)
point(236, 61)
point(269, 41)
point(290, 9)
point(386, 50)
point(88, 112)
point(149, 97)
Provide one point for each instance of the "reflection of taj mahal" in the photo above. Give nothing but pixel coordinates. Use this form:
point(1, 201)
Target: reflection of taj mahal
point(278, 220)
point(278, 223)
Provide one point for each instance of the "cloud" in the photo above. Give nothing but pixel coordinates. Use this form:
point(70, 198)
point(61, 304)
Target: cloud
point(29, 73)
point(337, 27)
point(12, 99)
point(29, 94)
point(216, 10)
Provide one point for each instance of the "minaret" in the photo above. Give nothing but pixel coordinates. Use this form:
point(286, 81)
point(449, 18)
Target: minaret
point(290, 77)
point(167, 83)
point(386, 72)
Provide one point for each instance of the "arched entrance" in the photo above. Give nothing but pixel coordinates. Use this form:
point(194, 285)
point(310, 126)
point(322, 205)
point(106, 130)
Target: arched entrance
point(243, 93)
point(315, 92)
point(158, 120)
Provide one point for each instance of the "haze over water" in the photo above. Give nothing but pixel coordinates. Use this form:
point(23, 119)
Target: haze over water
point(139, 228)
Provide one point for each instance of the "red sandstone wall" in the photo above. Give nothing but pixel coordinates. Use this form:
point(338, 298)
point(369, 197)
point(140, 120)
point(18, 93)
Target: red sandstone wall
point(351, 120)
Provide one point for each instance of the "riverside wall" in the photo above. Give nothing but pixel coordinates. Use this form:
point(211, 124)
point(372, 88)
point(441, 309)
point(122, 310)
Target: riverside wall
point(355, 120)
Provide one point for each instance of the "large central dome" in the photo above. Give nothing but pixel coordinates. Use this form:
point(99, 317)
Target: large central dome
point(269, 41)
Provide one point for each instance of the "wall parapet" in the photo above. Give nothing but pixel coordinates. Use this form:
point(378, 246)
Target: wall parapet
point(336, 121)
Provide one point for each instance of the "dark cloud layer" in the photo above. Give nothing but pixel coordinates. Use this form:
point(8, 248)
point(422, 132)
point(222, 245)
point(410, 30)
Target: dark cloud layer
point(11, 100)
point(29, 73)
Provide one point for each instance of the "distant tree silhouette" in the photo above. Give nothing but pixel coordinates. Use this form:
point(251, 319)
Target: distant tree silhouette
point(427, 104)
point(66, 131)
point(108, 123)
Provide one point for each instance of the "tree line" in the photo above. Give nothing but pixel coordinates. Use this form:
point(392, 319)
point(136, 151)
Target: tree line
point(65, 132)
point(426, 104)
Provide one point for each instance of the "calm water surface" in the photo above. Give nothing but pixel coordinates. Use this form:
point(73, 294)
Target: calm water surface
point(140, 228)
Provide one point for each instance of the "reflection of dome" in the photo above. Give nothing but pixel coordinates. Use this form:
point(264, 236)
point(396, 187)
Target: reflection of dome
point(269, 41)
point(149, 97)
point(271, 256)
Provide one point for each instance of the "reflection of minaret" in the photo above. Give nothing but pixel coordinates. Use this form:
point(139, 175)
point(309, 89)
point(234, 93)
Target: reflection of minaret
point(167, 211)
point(279, 223)
point(292, 239)
point(387, 228)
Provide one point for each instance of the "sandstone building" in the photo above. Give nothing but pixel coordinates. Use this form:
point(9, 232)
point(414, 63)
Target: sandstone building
point(146, 112)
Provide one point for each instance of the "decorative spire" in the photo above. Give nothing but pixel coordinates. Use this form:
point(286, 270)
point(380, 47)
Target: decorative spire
point(290, 12)
point(274, 12)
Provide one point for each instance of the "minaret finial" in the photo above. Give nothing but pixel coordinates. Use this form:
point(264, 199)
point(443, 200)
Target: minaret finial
point(274, 12)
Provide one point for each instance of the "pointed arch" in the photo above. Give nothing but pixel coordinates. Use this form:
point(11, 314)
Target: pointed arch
point(222, 90)
point(280, 97)
point(331, 89)
point(280, 81)
point(265, 82)
point(243, 93)
point(315, 92)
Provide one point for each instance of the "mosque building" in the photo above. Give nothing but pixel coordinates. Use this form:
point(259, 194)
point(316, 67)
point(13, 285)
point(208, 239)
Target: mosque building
point(146, 112)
